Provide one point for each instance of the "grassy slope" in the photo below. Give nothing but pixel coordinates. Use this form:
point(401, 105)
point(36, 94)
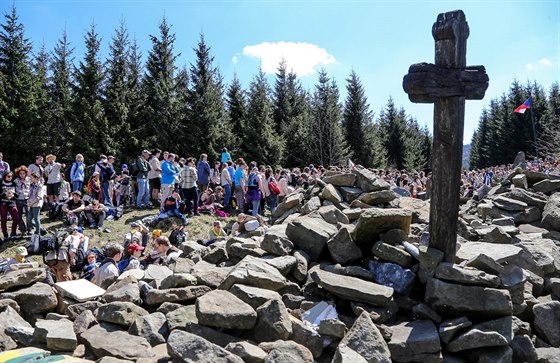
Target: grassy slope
point(197, 228)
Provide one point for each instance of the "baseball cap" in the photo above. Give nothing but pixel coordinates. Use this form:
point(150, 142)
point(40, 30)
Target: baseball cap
point(124, 166)
point(22, 251)
point(156, 232)
point(133, 247)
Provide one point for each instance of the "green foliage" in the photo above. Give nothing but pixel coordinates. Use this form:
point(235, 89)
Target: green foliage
point(236, 108)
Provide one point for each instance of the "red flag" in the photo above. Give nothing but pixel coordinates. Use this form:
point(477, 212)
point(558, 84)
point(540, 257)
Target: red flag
point(527, 104)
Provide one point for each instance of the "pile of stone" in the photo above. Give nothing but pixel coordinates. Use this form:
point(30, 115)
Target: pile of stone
point(343, 274)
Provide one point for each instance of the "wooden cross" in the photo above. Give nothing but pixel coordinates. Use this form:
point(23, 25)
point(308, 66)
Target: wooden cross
point(446, 84)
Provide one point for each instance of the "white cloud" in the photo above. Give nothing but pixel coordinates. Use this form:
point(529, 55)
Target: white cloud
point(301, 58)
point(529, 67)
point(235, 59)
point(545, 62)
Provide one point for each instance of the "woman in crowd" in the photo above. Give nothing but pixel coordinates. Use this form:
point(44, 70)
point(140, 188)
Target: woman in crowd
point(8, 204)
point(77, 173)
point(23, 182)
point(35, 202)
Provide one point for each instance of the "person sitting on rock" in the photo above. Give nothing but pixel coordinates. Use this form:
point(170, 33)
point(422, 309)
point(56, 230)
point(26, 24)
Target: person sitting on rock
point(154, 254)
point(168, 252)
point(242, 220)
point(138, 234)
point(20, 257)
point(107, 272)
point(95, 214)
point(133, 262)
point(74, 208)
point(59, 260)
point(171, 208)
point(216, 233)
point(89, 269)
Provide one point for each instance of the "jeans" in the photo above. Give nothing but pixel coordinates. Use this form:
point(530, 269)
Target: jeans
point(33, 218)
point(4, 210)
point(240, 198)
point(191, 196)
point(256, 204)
point(105, 192)
point(227, 196)
point(77, 185)
point(173, 213)
point(100, 217)
point(143, 192)
point(272, 202)
point(22, 209)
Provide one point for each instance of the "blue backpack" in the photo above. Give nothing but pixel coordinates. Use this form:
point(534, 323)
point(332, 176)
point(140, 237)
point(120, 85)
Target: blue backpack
point(252, 183)
point(123, 264)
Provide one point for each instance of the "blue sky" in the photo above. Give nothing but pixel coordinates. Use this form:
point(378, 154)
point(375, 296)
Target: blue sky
point(378, 39)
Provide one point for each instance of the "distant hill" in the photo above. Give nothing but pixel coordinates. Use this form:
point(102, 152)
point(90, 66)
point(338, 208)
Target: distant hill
point(466, 154)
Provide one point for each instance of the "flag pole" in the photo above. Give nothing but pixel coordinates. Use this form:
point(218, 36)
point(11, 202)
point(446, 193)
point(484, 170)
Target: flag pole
point(534, 132)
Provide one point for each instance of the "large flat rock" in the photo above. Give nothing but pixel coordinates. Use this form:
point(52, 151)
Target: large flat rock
point(178, 295)
point(222, 309)
point(353, 288)
point(375, 221)
point(501, 253)
point(415, 341)
point(187, 347)
point(104, 341)
point(22, 277)
point(255, 272)
point(80, 290)
point(37, 298)
point(310, 235)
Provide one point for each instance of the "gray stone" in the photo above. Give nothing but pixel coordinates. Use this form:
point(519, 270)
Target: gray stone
point(350, 194)
point(242, 247)
point(520, 181)
point(333, 328)
point(120, 313)
point(548, 355)
point(9, 318)
point(509, 204)
point(303, 334)
point(497, 234)
point(343, 179)
point(253, 296)
point(178, 280)
point(187, 347)
point(415, 341)
point(83, 322)
point(423, 311)
point(551, 213)
point(73, 311)
point(375, 221)
point(485, 263)
point(333, 215)
point(392, 275)
point(547, 318)
point(20, 335)
point(529, 215)
point(465, 275)
point(506, 221)
point(458, 299)
point(542, 256)
point(57, 334)
point(22, 277)
point(496, 355)
point(420, 209)
point(523, 349)
point(498, 252)
point(105, 341)
point(310, 235)
point(250, 353)
point(222, 309)
point(448, 328)
point(547, 186)
point(284, 264)
point(157, 272)
point(475, 338)
point(153, 327)
point(311, 205)
point(123, 290)
point(276, 241)
point(181, 318)
point(512, 275)
point(300, 271)
point(380, 197)
point(330, 193)
point(273, 322)
point(180, 294)
point(392, 254)
point(429, 259)
point(368, 182)
point(532, 199)
point(394, 237)
point(254, 272)
point(286, 351)
point(365, 339)
point(9, 302)
point(353, 288)
point(342, 248)
point(38, 298)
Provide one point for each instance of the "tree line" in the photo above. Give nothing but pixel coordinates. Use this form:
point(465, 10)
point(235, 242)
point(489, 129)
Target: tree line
point(49, 103)
point(501, 133)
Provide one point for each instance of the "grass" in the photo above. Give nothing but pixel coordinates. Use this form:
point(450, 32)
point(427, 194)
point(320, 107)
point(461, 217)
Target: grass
point(197, 228)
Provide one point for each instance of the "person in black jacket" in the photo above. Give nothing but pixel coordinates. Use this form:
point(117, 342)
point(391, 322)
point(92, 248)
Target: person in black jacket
point(8, 205)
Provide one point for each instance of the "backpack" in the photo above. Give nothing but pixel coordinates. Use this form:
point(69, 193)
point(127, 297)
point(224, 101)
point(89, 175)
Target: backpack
point(38, 245)
point(123, 264)
point(133, 169)
point(294, 180)
point(80, 259)
point(252, 183)
point(178, 236)
point(273, 187)
point(55, 211)
point(53, 244)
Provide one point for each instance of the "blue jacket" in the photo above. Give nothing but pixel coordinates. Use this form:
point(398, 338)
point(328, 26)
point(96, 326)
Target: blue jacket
point(203, 171)
point(168, 172)
point(77, 172)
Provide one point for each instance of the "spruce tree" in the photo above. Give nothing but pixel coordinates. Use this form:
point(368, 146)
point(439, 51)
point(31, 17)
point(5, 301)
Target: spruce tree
point(132, 139)
point(357, 119)
point(208, 124)
point(236, 107)
point(18, 110)
point(281, 99)
point(37, 141)
point(413, 158)
point(326, 141)
point(392, 123)
point(92, 136)
point(59, 127)
point(159, 87)
point(116, 90)
point(261, 141)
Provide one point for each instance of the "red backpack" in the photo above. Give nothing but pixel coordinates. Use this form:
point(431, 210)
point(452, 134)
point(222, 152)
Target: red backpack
point(273, 187)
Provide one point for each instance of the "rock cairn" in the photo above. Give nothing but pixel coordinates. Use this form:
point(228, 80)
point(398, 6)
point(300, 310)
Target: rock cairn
point(344, 274)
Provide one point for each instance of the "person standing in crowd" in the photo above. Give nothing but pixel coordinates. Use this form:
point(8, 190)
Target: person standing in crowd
point(203, 171)
point(77, 173)
point(154, 175)
point(215, 175)
point(142, 180)
point(52, 173)
point(8, 205)
point(254, 188)
point(35, 202)
point(168, 172)
point(4, 166)
point(225, 157)
point(225, 181)
point(37, 166)
point(240, 184)
point(65, 189)
point(189, 178)
point(94, 186)
point(23, 183)
point(106, 174)
point(271, 195)
point(111, 162)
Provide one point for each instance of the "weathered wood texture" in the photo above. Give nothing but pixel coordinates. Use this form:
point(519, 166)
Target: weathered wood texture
point(447, 83)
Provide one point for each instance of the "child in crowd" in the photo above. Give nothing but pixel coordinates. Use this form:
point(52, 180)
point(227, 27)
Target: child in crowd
point(171, 208)
point(89, 269)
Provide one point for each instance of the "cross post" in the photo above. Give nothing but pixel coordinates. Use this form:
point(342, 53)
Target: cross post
point(447, 84)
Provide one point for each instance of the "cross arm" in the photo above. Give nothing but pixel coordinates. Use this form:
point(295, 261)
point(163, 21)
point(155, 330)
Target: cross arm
point(425, 82)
